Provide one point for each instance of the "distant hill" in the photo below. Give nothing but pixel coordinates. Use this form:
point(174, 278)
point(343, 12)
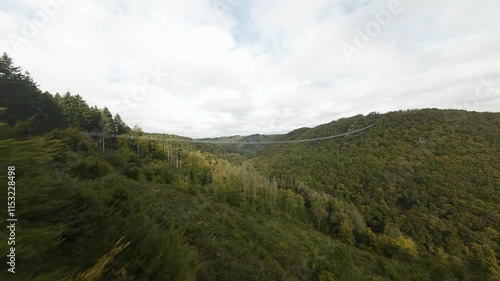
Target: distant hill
point(237, 153)
point(238, 138)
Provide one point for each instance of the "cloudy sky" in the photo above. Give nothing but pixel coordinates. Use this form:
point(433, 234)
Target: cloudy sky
point(204, 68)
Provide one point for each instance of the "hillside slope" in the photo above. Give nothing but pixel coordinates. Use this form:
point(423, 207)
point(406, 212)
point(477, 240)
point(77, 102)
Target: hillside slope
point(432, 176)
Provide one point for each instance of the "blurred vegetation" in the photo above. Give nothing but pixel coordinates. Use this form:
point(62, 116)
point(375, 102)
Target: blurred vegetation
point(414, 198)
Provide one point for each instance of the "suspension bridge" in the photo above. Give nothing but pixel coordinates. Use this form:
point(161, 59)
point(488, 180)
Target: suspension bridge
point(204, 141)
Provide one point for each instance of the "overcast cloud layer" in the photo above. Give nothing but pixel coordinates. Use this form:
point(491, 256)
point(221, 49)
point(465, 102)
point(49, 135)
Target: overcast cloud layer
point(204, 68)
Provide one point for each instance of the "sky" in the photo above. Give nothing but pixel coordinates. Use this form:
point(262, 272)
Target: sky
point(207, 68)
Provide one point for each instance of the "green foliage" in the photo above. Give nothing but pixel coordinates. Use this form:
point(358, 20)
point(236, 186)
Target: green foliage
point(414, 198)
point(68, 223)
point(198, 168)
point(423, 182)
point(23, 101)
point(98, 269)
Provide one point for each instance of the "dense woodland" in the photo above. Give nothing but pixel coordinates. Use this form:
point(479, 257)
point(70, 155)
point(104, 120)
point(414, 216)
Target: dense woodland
point(416, 197)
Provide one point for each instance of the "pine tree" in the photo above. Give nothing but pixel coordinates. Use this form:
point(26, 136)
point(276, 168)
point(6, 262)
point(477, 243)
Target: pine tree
point(107, 125)
point(25, 102)
point(120, 126)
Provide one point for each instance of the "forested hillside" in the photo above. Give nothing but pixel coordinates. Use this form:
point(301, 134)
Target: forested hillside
point(415, 197)
point(426, 180)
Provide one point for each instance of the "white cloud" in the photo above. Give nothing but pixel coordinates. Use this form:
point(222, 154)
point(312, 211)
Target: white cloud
point(243, 67)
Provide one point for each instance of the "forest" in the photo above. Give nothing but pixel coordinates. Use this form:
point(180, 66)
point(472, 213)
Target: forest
point(415, 197)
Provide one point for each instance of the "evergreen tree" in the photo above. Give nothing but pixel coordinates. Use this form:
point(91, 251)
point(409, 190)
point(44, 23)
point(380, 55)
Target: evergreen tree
point(120, 126)
point(24, 102)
